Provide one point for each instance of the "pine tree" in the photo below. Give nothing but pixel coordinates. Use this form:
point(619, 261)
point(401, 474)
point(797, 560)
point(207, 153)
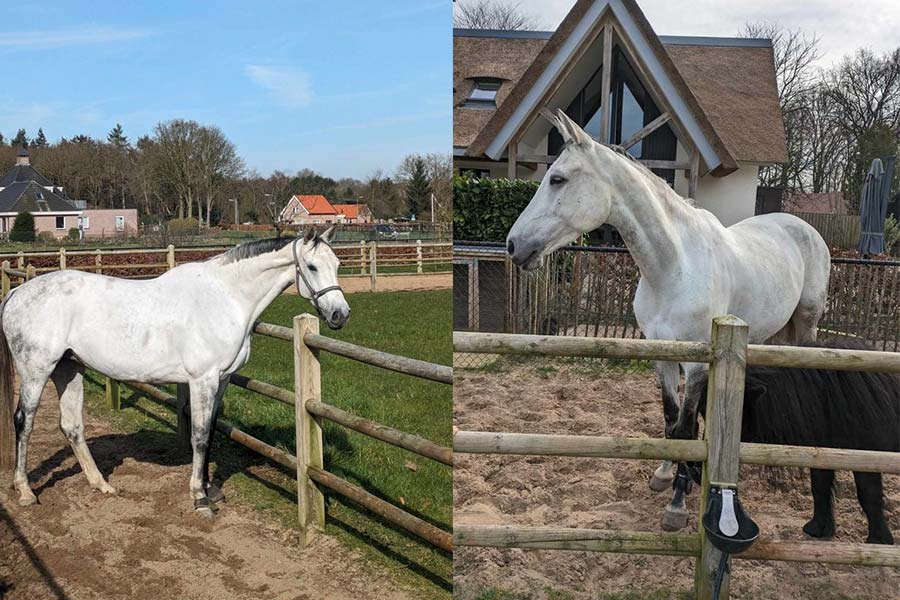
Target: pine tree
point(117, 137)
point(23, 228)
point(40, 141)
point(21, 140)
point(2, 140)
point(417, 189)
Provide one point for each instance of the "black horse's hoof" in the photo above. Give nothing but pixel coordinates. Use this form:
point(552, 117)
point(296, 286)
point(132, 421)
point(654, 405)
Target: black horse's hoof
point(215, 494)
point(881, 538)
point(817, 529)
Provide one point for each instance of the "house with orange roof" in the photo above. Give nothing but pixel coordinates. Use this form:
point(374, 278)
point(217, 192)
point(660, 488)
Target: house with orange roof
point(310, 210)
point(355, 213)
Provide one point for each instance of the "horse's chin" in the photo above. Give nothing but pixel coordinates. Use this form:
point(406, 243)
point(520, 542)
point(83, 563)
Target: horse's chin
point(534, 262)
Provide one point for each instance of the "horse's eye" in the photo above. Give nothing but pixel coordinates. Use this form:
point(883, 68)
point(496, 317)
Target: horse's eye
point(312, 268)
point(557, 180)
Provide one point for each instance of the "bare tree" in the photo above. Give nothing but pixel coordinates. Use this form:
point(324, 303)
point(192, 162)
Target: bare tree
point(217, 162)
point(492, 14)
point(794, 54)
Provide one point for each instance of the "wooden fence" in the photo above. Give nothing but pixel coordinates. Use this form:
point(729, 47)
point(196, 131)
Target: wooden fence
point(837, 230)
point(721, 450)
point(310, 409)
point(357, 260)
point(590, 291)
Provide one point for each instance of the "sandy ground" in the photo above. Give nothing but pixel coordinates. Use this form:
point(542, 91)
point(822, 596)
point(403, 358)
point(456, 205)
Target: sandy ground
point(609, 494)
point(394, 283)
point(146, 542)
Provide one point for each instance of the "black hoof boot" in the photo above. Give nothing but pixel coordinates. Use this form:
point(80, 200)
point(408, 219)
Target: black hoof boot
point(819, 528)
point(214, 493)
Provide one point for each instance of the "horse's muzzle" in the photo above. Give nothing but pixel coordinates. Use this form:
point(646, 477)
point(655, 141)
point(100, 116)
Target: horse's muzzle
point(524, 254)
point(338, 318)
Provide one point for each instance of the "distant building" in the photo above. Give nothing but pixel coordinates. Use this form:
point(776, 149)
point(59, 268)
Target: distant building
point(23, 189)
point(310, 210)
point(355, 213)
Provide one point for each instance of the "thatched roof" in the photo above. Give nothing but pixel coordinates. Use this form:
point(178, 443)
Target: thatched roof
point(727, 84)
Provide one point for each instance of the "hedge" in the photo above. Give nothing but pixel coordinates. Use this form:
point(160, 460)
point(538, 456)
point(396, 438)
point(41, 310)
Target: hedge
point(484, 210)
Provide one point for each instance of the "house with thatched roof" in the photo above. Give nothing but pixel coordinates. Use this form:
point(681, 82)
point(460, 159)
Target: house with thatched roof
point(702, 112)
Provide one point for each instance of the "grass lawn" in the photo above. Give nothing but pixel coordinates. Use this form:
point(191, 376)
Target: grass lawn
point(415, 324)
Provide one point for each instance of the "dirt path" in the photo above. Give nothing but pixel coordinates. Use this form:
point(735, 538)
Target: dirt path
point(610, 494)
point(146, 542)
point(395, 283)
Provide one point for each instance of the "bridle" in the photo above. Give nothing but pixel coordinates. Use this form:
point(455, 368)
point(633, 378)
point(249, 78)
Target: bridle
point(298, 275)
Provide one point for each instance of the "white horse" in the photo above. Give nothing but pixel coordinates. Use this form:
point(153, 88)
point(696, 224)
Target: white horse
point(190, 325)
point(771, 270)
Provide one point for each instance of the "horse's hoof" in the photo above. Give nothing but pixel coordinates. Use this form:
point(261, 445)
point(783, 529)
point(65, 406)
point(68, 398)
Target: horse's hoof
point(819, 530)
point(215, 494)
point(27, 500)
point(204, 507)
point(659, 484)
point(105, 488)
point(674, 519)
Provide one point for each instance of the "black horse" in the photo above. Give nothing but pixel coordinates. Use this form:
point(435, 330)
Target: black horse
point(831, 409)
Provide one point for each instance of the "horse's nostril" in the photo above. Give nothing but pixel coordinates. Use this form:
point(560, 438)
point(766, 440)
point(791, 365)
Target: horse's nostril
point(510, 248)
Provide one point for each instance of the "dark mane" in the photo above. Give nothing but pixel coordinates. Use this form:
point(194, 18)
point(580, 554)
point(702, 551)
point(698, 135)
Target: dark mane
point(254, 248)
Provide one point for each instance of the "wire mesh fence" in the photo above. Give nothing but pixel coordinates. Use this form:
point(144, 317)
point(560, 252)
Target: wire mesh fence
point(586, 291)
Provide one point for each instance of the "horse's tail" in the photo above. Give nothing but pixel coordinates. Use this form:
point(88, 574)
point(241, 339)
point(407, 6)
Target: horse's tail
point(7, 396)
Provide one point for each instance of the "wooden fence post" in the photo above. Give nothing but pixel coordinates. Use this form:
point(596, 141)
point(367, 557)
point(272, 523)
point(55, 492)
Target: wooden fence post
point(724, 408)
point(113, 394)
point(373, 265)
point(20, 261)
point(183, 410)
point(62, 259)
point(419, 257)
point(6, 285)
point(98, 262)
point(30, 273)
point(307, 386)
point(170, 256)
point(362, 257)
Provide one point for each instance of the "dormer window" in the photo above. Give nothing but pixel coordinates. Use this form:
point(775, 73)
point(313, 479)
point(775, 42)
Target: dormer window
point(40, 195)
point(484, 94)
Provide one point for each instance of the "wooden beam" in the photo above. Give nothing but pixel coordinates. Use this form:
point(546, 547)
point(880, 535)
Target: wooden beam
point(541, 159)
point(512, 159)
point(665, 164)
point(307, 386)
point(694, 174)
point(646, 130)
point(606, 83)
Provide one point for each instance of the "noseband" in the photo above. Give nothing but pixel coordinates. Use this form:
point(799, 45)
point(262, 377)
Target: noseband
point(299, 275)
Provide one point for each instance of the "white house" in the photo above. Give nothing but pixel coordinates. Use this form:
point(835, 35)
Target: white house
point(702, 112)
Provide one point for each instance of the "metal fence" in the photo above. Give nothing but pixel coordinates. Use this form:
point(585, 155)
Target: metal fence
point(589, 291)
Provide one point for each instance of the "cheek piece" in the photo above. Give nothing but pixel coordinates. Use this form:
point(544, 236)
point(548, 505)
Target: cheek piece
point(300, 275)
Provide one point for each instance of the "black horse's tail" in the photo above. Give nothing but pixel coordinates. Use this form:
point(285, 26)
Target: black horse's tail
point(7, 396)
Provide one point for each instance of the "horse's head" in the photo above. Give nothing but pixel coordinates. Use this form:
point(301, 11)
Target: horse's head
point(574, 197)
point(316, 268)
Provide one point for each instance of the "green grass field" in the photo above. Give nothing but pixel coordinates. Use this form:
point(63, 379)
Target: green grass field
point(415, 324)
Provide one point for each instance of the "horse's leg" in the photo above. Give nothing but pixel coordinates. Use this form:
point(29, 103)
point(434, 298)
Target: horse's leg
point(870, 494)
point(203, 393)
point(68, 377)
point(214, 492)
point(675, 516)
point(805, 321)
point(822, 523)
point(667, 374)
point(30, 390)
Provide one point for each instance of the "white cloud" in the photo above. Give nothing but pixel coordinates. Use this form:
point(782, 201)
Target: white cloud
point(49, 39)
point(291, 87)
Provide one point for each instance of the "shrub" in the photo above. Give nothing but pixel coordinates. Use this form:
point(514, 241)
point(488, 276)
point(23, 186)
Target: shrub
point(484, 210)
point(180, 227)
point(73, 234)
point(23, 228)
point(891, 234)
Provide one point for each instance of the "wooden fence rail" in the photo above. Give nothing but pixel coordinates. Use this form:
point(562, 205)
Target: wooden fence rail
point(721, 451)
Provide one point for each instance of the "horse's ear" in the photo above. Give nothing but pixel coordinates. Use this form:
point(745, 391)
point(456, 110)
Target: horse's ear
point(328, 234)
point(310, 235)
point(573, 132)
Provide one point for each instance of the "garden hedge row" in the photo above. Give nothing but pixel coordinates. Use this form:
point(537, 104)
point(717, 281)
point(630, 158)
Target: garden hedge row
point(485, 209)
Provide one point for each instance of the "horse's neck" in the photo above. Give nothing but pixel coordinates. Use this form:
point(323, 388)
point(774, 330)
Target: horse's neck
point(653, 221)
point(255, 282)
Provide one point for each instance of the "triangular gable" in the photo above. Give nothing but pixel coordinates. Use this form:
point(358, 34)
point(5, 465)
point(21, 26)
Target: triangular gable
point(641, 43)
point(292, 208)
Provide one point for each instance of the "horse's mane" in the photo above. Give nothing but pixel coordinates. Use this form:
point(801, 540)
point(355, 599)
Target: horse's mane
point(658, 182)
point(254, 248)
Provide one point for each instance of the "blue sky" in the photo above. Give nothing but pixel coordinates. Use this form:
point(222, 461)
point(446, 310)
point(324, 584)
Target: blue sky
point(340, 87)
